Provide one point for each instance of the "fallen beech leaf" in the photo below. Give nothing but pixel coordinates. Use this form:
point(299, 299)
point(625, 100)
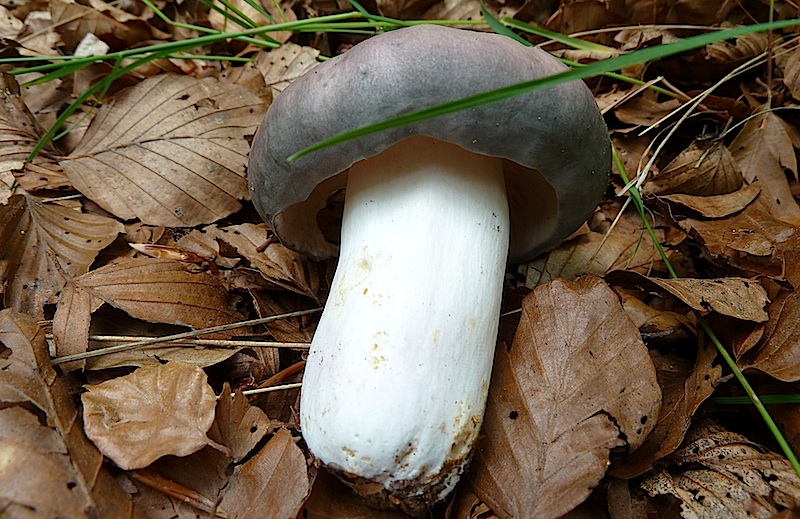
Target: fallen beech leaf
point(653, 322)
point(331, 499)
point(272, 484)
point(752, 240)
point(624, 504)
point(791, 71)
point(589, 254)
point(153, 354)
point(206, 473)
point(645, 109)
point(400, 8)
point(283, 65)
point(73, 21)
point(718, 206)
point(170, 151)
point(778, 354)
point(740, 298)
point(576, 383)
point(787, 417)
point(634, 151)
point(704, 168)
point(459, 10)
point(764, 151)
point(278, 264)
point(685, 387)
point(71, 324)
point(742, 48)
point(19, 133)
point(178, 492)
point(48, 233)
point(295, 329)
point(49, 468)
point(238, 425)
point(740, 478)
point(153, 412)
point(10, 25)
point(161, 291)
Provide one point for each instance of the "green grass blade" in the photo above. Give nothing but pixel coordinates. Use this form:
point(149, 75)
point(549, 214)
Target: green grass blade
point(501, 29)
point(765, 399)
point(590, 70)
point(575, 43)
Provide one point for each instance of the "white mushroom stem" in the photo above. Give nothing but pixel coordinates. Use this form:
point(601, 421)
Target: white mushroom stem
point(397, 376)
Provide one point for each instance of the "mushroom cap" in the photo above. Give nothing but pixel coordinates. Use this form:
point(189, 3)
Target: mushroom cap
point(554, 141)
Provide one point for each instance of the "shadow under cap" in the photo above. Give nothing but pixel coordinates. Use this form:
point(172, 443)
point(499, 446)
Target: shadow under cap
point(555, 142)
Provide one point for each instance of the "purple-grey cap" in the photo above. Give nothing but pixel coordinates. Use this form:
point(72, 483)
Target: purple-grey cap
point(554, 141)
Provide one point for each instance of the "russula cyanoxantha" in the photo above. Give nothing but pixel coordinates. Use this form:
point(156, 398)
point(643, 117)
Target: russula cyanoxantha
point(398, 372)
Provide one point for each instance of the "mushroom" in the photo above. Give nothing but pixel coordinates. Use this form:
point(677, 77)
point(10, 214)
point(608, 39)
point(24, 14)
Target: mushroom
point(398, 372)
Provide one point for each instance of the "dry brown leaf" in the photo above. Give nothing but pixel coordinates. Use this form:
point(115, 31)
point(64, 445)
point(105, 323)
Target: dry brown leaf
point(740, 478)
point(778, 354)
point(791, 71)
point(634, 151)
point(576, 383)
point(272, 484)
point(741, 49)
point(170, 151)
point(278, 264)
point(654, 322)
point(74, 21)
point(579, 16)
point(704, 168)
point(403, 9)
point(55, 240)
point(740, 298)
point(296, 329)
point(622, 249)
point(238, 425)
point(71, 324)
point(50, 469)
point(10, 25)
point(764, 151)
point(466, 505)
point(645, 109)
point(635, 38)
point(161, 291)
point(455, 10)
point(154, 290)
point(283, 65)
point(19, 133)
point(40, 37)
point(787, 417)
point(685, 387)
point(203, 474)
point(250, 77)
point(153, 412)
point(192, 499)
point(752, 240)
point(331, 499)
point(718, 206)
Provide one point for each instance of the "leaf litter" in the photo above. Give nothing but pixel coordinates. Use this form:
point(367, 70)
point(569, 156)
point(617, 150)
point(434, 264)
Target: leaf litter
point(156, 168)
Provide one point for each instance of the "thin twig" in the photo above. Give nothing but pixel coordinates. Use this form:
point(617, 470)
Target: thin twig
point(270, 389)
point(178, 336)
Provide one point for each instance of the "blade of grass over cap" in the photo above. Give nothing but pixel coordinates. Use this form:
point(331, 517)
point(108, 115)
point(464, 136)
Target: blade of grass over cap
point(500, 28)
point(590, 70)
